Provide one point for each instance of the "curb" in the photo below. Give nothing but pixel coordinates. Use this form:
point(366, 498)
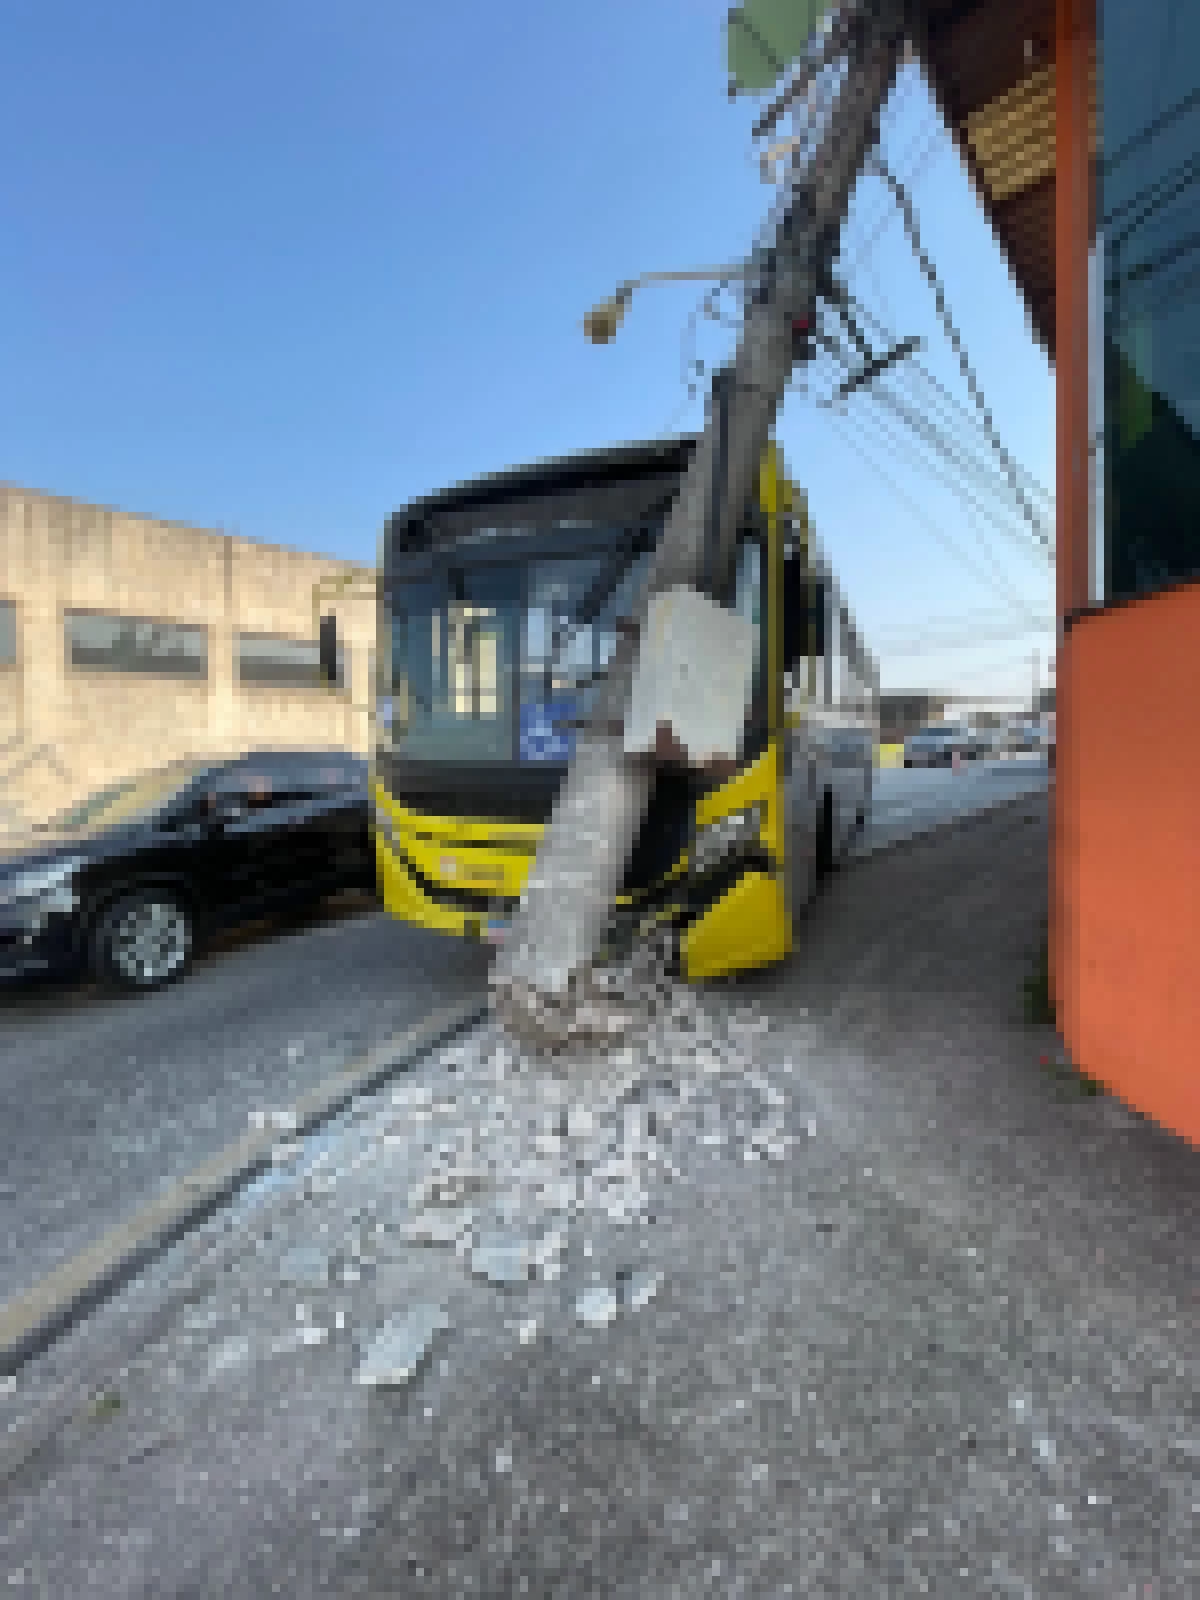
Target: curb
point(937, 829)
point(32, 1321)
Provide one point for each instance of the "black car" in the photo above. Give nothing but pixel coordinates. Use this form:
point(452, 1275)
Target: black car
point(131, 881)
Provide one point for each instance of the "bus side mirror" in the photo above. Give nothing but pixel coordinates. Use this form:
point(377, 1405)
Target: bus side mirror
point(327, 650)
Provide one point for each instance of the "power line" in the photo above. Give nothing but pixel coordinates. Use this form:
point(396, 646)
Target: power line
point(894, 446)
point(936, 440)
point(973, 642)
point(950, 403)
point(968, 440)
point(957, 619)
point(886, 213)
point(911, 228)
point(947, 448)
point(925, 521)
point(897, 447)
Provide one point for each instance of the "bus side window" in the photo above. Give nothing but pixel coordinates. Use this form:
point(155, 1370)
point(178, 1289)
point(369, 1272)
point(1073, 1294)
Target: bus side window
point(748, 601)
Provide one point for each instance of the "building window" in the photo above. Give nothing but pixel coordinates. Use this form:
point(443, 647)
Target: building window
point(8, 633)
point(1149, 219)
point(134, 644)
point(283, 663)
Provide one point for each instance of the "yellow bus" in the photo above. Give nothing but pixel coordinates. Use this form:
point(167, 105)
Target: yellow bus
point(500, 603)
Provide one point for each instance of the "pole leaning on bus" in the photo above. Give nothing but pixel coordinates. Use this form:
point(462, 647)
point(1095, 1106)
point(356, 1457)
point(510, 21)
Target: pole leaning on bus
point(540, 979)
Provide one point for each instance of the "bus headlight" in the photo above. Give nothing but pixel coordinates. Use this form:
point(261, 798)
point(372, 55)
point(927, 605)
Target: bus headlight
point(383, 825)
point(727, 836)
point(49, 886)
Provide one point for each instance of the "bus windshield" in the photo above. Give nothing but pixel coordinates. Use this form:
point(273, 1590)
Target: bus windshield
point(495, 661)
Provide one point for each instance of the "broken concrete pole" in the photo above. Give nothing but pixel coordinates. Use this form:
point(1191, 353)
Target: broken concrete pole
point(694, 676)
point(540, 974)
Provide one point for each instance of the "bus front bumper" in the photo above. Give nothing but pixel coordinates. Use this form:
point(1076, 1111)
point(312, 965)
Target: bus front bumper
point(730, 920)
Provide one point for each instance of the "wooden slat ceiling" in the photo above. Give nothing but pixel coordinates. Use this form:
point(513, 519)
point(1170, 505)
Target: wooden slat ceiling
point(990, 65)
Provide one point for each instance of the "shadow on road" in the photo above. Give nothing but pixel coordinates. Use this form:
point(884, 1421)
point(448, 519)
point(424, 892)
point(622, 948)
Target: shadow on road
point(43, 994)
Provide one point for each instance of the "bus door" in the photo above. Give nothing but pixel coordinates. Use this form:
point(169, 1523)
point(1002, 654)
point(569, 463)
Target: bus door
point(804, 736)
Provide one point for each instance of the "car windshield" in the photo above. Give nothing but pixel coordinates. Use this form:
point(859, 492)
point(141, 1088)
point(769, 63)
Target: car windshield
point(132, 797)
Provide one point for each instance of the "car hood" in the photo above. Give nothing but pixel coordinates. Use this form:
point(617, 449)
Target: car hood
point(30, 848)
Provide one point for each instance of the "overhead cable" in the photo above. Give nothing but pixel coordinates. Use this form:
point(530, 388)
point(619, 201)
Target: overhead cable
point(911, 228)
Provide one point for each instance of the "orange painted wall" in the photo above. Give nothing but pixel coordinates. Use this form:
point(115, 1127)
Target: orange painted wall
point(1127, 854)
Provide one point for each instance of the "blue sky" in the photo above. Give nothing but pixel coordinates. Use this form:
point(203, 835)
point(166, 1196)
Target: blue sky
point(278, 268)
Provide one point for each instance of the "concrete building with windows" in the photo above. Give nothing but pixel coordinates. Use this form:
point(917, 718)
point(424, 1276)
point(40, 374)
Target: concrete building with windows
point(126, 641)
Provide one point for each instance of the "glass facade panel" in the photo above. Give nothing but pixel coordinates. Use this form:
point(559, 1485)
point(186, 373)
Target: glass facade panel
point(1149, 227)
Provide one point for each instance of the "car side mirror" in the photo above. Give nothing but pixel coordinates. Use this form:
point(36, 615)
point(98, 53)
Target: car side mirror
point(227, 812)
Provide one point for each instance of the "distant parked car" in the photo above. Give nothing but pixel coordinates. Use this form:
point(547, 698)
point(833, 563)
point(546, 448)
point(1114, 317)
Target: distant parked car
point(938, 746)
point(1025, 737)
point(130, 882)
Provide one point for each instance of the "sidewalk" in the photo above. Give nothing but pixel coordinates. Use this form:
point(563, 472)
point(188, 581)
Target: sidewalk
point(826, 1289)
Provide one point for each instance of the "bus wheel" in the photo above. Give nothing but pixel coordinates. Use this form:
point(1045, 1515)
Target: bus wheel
point(821, 861)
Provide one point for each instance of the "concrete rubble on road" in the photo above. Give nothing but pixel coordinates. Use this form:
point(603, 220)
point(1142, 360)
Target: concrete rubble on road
point(946, 1348)
point(509, 1161)
point(401, 1345)
point(597, 1306)
point(305, 1267)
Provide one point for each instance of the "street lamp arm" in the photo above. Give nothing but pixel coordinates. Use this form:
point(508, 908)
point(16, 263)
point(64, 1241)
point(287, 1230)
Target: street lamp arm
point(603, 320)
point(734, 269)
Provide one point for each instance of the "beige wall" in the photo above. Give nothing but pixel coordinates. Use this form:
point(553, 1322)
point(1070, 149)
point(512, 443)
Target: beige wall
point(65, 730)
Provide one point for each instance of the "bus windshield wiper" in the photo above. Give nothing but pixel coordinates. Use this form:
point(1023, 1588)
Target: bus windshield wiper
point(594, 600)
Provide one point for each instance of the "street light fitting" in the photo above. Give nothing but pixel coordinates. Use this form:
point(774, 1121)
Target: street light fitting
point(603, 320)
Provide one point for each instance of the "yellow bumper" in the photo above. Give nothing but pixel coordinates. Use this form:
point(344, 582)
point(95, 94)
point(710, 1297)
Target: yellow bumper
point(749, 926)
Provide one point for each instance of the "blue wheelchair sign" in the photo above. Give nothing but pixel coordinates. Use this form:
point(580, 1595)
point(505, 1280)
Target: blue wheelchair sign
point(543, 736)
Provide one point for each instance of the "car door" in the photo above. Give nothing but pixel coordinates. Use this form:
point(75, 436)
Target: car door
point(342, 782)
point(296, 847)
point(327, 818)
point(249, 858)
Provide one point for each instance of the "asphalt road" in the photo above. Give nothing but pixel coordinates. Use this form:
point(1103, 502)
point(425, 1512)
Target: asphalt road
point(939, 1339)
point(906, 802)
point(103, 1098)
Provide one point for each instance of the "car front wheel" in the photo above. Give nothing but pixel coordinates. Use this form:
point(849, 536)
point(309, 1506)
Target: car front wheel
point(143, 941)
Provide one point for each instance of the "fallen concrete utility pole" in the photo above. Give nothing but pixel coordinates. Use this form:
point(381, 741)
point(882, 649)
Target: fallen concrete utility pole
point(541, 980)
